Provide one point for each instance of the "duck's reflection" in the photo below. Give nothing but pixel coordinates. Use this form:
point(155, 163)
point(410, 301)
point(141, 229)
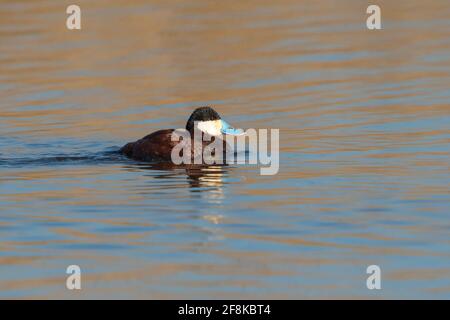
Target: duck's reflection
point(206, 183)
point(200, 178)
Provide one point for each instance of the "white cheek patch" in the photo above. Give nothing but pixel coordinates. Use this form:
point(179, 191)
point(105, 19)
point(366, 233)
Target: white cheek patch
point(212, 127)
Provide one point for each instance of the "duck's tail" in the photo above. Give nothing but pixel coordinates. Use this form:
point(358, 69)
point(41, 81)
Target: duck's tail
point(127, 149)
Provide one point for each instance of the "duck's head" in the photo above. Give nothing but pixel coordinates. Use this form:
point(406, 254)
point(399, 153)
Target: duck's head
point(207, 120)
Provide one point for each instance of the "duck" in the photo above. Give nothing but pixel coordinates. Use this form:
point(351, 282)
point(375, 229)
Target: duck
point(158, 146)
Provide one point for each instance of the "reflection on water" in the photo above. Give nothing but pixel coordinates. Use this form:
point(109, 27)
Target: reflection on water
point(206, 180)
point(364, 149)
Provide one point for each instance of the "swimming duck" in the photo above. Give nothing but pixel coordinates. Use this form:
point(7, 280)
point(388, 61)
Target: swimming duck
point(158, 145)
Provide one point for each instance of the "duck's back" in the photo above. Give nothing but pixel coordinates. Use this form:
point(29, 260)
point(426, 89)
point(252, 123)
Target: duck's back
point(156, 146)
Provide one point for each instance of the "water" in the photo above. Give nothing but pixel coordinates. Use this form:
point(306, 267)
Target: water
point(364, 150)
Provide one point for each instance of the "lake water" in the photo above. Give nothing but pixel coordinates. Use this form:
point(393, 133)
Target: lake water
point(364, 149)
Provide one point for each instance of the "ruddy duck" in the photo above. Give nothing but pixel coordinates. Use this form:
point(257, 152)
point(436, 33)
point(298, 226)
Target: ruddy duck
point(158, 145)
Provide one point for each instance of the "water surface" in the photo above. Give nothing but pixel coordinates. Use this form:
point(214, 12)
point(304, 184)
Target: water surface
point(364, 149)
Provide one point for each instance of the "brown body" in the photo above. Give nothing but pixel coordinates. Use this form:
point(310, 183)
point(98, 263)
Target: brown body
point(158, 146)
